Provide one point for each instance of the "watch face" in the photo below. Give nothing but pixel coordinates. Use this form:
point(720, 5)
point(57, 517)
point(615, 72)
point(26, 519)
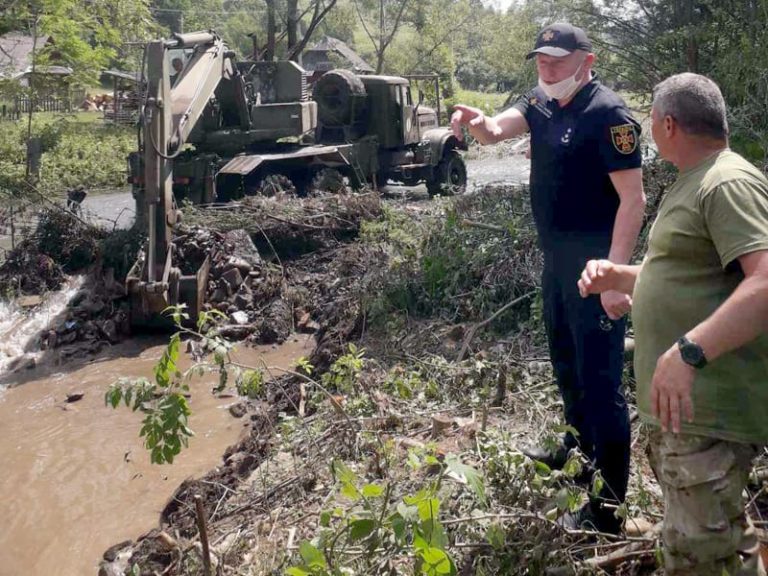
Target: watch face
point(692, 354)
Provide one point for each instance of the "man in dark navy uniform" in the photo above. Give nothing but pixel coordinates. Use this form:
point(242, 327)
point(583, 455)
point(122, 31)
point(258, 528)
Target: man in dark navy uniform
point(587, 198)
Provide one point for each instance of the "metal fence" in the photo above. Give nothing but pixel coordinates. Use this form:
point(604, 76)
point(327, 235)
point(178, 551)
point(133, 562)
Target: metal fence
point(9, 112)
point(44, 104)
point(49, 103)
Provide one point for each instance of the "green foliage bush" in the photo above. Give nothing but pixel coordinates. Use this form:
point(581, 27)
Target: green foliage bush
point(91, 154)
point(457, 270)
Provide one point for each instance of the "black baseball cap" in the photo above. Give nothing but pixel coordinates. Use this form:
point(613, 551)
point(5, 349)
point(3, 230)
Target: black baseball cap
point(559, 40)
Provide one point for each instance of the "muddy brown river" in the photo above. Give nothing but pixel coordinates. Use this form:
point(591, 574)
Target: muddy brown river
point(75, 478)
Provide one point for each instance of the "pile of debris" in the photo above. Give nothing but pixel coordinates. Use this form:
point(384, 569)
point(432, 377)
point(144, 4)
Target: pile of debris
point(283, 226)
point(60, 244)
point(271, 259)
point(241, 285)
point(28, 271)
point(97, 316)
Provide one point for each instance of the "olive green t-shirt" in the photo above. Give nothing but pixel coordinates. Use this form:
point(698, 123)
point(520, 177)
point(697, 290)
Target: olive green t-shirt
point(714, 213)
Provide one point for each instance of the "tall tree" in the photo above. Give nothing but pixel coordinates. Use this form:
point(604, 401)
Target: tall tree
point(381, 20)
point(85, 36)
point(647, 40)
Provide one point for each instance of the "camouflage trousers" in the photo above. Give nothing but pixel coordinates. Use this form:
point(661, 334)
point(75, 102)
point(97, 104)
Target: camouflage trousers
point(706, 532)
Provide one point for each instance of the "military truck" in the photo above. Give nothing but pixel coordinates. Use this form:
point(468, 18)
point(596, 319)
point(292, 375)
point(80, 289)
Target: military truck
point(262, 130)
point(222, 128)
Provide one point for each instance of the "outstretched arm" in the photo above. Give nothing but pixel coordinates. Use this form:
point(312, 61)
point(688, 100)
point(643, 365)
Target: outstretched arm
point(488, 130)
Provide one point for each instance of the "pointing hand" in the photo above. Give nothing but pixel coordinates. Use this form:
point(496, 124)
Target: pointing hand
point(465, 115)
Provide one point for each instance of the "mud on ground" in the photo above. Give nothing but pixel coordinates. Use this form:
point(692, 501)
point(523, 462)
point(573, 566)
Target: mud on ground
point(419, 387)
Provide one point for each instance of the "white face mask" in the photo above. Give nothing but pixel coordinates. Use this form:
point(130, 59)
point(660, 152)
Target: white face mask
point(561, 90)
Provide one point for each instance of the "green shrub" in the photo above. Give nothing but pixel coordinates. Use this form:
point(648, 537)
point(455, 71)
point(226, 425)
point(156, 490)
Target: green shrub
point(73, 153)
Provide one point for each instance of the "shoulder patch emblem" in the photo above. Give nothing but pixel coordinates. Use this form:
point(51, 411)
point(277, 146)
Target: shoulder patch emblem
point(534, 100)
point(624, 138)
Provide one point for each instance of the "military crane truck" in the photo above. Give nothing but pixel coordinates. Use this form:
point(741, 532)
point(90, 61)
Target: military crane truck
point(223, 128)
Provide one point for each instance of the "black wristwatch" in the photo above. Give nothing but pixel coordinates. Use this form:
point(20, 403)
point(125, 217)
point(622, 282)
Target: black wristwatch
point(691, 353)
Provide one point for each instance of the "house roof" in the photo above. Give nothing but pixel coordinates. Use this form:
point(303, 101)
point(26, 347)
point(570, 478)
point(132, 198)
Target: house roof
point(16, 52)
point(330, 44)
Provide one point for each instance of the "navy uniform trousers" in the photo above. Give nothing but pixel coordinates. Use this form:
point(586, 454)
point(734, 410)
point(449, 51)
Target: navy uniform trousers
point(587, 354)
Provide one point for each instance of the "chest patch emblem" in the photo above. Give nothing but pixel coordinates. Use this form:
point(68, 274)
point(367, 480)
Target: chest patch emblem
point(624, 138)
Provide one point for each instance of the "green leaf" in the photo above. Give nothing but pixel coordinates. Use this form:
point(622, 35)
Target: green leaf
point(429, 508)
point(372, 490)
point(350, 491)
point(436, 560)
point(472, 476)
point(297, 571)
point(343, 473)
point(325, 518)
point(419, 543)
point(399, 526)
point(312, 556)
point(496, 536)
point(361, 528)
point(541, 468)
point(573, 467)
point(597, 484)
point(112, 397)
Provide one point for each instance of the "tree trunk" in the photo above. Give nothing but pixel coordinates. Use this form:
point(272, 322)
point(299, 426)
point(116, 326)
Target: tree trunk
point(269, 53)
point(692, 45)
point(317, 18)
point(292, 26)
point(379, 61)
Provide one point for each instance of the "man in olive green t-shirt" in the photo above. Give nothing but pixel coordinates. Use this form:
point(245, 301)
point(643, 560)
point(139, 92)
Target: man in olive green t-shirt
point(700, 308)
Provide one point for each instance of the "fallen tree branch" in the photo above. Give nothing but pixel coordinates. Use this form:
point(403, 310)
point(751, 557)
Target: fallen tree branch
point(607, 562)
point(483, 226)
point(471, 334)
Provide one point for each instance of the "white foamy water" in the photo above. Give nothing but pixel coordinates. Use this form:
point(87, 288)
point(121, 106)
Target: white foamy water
point(20, 327)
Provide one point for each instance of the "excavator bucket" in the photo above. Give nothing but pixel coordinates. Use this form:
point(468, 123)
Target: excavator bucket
point(150, 301)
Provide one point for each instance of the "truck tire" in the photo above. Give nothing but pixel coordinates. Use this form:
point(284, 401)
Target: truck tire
point(450, 175)
point(335, 93)
point(274, 184)
point(328, 180)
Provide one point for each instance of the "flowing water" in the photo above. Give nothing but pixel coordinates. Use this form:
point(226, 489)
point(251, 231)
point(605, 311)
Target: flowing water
point(74, 477)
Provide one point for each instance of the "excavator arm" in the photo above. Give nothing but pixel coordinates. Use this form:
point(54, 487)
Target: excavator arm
point(170, 113)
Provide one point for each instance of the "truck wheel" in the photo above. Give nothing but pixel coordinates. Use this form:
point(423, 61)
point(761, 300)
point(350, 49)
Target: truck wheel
point(450, 175)
point(329, 180)
point(334, 93)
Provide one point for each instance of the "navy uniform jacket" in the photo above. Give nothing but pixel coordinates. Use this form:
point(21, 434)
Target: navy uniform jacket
point(573, 149)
